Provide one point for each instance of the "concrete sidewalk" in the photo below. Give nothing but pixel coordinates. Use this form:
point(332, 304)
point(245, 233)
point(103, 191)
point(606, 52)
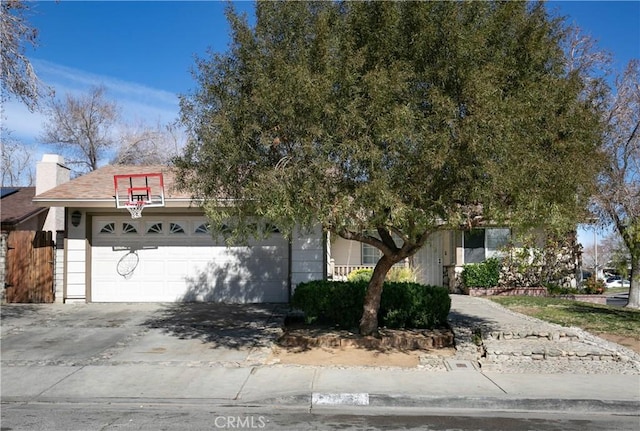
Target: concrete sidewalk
point(129, 355)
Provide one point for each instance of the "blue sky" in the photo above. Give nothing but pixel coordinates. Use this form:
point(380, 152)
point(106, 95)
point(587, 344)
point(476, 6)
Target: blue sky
point(142, 52)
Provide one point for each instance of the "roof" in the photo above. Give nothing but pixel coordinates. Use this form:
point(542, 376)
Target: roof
point(96, 189)
point(17, 205)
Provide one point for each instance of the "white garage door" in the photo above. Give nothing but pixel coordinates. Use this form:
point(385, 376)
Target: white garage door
point(174, 259)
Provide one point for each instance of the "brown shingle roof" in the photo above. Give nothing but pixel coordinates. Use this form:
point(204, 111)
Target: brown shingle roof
point(97, 187)
point(18, 206)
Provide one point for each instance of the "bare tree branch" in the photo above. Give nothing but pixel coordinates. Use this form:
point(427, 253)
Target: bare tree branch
point(18, 76)
point(82, 127)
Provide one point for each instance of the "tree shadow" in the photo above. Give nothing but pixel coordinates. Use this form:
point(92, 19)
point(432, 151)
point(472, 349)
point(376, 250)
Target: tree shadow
point(233, 326)
point(237, 303)
point(461, 319)
point(251, 274)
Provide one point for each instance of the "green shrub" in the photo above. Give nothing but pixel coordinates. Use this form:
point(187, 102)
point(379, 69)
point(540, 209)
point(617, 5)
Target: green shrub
point(553, 289)
point(362, 274)
point(397, 274)
point(413, 305)
point(402, 305)
point(330, 302)
point(401, 274)
point(485, 274)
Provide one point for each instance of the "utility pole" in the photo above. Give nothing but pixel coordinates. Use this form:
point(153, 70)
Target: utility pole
point(595, 245)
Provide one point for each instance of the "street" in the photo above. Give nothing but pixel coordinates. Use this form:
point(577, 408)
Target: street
point(618, 300)
point(204, 416)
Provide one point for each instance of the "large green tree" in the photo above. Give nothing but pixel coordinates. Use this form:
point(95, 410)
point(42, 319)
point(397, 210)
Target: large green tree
point(390, 119)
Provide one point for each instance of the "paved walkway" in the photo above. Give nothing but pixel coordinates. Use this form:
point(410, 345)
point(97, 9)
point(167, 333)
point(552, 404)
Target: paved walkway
point(200, 353)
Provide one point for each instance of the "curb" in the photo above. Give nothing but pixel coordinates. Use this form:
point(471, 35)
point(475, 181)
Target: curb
point(364, 400)
point(376, 401)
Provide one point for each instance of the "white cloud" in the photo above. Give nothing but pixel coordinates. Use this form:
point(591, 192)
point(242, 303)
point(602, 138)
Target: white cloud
point(137, 102)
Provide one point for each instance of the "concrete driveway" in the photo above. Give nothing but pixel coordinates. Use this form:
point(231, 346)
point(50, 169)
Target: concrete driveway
point(101, 334)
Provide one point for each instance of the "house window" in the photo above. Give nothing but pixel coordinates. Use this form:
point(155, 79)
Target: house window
point(370, 254)
point(155, 228)
point(203, 228)
point(474, 246)
point(496, 240)
point(482, 244)
point(108, 228)
point(271, 228)
point(175, 228)
point(129, 228)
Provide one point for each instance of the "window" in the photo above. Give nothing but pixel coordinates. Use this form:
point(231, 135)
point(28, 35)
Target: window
point(496, 241)
point(203, 228)
point(155, 228)
point(474, 246)
point(481, 244)
point(370, 254)
point(108, 228)
point(175, 228)
point(271, 228)
point(129, 228)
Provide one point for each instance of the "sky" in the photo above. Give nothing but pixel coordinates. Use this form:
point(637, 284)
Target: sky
point(143, 51)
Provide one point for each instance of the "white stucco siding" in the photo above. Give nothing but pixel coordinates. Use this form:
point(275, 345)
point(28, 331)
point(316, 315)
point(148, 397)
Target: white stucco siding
point(308, 253)
point(75, 269)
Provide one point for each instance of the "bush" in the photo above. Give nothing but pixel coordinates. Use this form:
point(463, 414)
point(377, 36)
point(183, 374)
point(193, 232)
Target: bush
point(403, 305)
point(398, 274)
point(401, 274)
point(330, 302)
point(362, 274)
point(413, 305)
point(485, 274)
point(594, 286)
point(554, 289)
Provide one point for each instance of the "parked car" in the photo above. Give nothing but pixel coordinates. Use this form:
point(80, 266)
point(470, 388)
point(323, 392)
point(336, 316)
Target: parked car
point(616, 282)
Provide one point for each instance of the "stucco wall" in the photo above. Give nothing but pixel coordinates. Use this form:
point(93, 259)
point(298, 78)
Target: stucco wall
point(75, 261)
point(308, 257)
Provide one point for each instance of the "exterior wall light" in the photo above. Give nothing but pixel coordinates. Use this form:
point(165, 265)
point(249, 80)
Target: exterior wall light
point(76, 217)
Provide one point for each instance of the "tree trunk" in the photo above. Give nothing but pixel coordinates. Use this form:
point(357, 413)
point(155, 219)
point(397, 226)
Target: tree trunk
point(634, 289)
point(369, 320)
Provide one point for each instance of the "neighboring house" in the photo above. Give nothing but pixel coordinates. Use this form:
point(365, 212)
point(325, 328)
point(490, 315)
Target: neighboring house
point(439, 262)
point(18, 210)
point(168, 255)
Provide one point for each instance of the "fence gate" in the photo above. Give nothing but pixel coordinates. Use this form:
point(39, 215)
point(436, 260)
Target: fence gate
point(30, 263)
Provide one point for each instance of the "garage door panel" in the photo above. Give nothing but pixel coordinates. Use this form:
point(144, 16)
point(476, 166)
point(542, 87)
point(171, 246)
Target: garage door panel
point(186, 268)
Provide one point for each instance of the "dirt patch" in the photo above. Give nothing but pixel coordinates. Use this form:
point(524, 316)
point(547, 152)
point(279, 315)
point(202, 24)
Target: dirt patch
point(391, 348)
point(629, 342)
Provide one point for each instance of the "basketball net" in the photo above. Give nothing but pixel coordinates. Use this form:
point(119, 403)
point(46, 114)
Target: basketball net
point(135, 209)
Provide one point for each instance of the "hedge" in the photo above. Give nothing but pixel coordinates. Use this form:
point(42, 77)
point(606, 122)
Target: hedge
point(485, 274)
point(402, 305)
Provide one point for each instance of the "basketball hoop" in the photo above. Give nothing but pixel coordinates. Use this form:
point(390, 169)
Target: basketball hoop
point(137, 191)
point(135, 208)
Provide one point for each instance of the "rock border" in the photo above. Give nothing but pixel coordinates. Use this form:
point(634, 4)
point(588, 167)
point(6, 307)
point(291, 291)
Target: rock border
point(409, 339)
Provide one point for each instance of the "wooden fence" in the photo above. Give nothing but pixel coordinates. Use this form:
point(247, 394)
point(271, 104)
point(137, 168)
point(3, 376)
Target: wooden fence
point(30, 264)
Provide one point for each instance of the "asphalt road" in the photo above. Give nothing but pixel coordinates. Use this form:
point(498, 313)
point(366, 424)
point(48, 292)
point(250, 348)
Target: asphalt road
point(619, 300)
point(87, 417)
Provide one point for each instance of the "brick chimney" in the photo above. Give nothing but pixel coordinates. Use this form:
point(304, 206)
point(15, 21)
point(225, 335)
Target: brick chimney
point(51, 172)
